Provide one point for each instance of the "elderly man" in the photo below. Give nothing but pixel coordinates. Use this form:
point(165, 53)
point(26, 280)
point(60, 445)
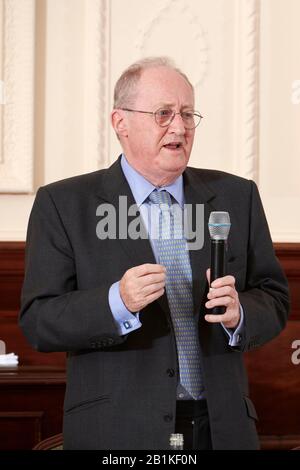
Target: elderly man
point(145, 357)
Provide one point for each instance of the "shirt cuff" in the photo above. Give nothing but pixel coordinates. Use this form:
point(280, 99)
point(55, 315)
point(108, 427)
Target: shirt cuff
point(235, 337)
point(125, 321)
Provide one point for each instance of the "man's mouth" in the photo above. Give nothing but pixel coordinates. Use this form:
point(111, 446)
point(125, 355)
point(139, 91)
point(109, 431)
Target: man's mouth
point(173, 145)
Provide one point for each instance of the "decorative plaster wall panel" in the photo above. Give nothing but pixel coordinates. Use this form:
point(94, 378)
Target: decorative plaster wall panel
point(16, 162)
point(216, 44)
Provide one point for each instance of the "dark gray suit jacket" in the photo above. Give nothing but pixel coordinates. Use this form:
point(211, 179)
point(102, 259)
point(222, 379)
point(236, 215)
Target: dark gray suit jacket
point(121, 391)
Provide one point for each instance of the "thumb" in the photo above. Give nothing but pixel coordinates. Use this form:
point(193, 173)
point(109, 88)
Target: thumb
point(208, 275)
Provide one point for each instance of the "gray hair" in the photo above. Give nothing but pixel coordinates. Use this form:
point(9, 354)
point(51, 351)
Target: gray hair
point(125, 89)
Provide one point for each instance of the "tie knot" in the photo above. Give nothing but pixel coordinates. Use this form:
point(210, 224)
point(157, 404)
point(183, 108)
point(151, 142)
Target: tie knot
point(160, 197)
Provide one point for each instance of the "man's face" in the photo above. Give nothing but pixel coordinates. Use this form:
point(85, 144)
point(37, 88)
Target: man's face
point(160, 154)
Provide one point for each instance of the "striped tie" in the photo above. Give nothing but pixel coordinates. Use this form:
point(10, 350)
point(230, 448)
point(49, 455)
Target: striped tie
point(173, 254)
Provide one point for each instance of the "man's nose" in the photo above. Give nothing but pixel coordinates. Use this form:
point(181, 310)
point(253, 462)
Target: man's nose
point(177, 125)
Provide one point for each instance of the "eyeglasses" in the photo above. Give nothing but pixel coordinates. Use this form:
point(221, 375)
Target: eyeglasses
point(164, 117)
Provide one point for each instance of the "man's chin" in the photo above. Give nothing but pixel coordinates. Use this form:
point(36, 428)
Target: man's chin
point(176, 163)
point(169, 173)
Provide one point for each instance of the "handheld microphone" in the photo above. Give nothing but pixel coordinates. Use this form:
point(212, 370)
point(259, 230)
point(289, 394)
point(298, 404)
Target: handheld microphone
point(218, 226)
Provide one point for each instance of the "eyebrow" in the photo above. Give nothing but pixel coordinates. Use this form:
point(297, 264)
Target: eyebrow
point(170, 105)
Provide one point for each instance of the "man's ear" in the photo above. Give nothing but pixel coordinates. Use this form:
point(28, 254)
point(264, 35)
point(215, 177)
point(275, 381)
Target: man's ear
point(119, 123)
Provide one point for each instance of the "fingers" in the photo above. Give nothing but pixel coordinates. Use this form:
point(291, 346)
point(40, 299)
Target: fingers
point(149, 279)
point(154, 296)
point(229, 319)
point(226, 301)
point(223, 293)
point(148, 274)
point(148, 268)
point(223, 281)
point(142, 285)
point(215, 293)
point(216, 318)
point(154, 287)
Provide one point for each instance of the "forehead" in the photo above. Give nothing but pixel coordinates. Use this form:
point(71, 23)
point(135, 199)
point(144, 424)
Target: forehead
point(162, 85)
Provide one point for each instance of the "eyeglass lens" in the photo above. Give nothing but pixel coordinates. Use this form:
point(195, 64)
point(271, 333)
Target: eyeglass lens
point(165, 116)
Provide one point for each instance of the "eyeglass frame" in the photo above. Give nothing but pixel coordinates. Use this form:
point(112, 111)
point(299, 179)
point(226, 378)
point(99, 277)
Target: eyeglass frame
point(195, 113)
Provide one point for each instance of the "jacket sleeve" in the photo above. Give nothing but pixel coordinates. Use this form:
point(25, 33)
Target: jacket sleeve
point(55, 315)
point(266, 298)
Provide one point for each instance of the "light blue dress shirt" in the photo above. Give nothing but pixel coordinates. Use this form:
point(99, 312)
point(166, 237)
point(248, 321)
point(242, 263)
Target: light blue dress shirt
point(126, 321)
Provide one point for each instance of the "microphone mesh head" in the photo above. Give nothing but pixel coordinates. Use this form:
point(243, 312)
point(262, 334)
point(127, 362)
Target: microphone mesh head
point(219, 225)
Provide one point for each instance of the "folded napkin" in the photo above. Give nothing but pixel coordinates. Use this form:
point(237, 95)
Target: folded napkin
point(9, 359)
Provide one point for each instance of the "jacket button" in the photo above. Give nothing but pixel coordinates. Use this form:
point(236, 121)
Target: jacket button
point(171, 372)
point(168, 418)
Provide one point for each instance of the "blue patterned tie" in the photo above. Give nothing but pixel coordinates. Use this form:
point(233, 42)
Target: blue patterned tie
point(174, 255)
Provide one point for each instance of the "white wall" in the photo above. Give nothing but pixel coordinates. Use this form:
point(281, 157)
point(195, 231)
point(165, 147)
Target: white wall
point(279, 156)
point(242, 56)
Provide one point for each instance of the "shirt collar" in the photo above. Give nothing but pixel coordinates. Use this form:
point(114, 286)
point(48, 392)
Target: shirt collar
point(141, 188)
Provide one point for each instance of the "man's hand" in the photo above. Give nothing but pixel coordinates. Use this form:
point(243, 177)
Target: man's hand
point(223, 293)
point(142, 285)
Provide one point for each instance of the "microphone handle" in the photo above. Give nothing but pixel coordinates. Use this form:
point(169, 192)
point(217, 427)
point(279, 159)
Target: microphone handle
point(218, 267)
